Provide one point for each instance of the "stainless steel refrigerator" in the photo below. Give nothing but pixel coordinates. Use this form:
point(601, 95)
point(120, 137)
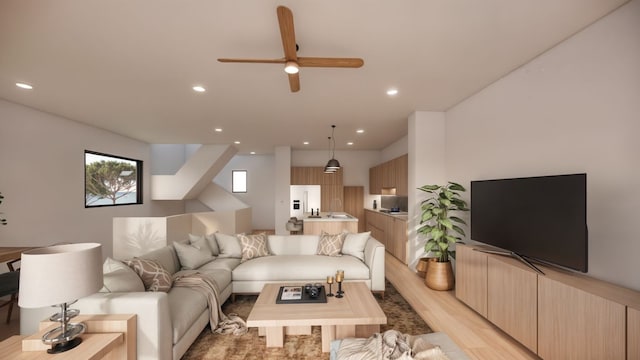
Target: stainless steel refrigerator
point(303, 199)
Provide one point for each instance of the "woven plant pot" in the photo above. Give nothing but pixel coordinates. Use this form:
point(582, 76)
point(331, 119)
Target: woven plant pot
point(439, 276)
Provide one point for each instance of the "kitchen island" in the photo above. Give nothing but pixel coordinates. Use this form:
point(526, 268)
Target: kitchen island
point(332, 223)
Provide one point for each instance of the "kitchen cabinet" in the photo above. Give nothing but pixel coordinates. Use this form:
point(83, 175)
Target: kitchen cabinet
point(354, 204)
point(375, 180)
point(390, 230)
point(392, 174)
point(331, 190)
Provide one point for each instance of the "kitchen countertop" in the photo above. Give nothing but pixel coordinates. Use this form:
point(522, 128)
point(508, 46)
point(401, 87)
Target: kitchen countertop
point(325, 216)
point(403, 215)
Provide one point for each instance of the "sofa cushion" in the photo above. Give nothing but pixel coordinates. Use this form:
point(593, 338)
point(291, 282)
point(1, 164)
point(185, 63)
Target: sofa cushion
point(118, 277)
point(293, 244)
point(330, 244)
point(153, 275)
point(192, 257)
point(213, 244)
point(299, 268)
point(165, 256)
point(253, 246)
point(185, 305)
point(354, 244)
point(220, 263)
point(229, 246)
point(201, 243)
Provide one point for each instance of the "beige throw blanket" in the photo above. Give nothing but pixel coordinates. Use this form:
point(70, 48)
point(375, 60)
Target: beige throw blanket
point(220, 323)
point(389, 345)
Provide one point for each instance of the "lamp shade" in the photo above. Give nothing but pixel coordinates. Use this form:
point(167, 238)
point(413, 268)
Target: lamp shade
point(333, 164)
point(59, 274)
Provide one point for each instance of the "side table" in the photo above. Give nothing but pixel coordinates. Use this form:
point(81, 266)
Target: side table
point(107, 337)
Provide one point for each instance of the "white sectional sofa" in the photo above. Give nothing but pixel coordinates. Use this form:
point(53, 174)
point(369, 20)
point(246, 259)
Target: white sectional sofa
point(168, 323)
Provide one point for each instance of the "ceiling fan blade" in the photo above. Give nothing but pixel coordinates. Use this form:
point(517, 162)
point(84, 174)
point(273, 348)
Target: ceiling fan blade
point(259, 61)
point(287, 33)
point(294, 82)
point(330, 62)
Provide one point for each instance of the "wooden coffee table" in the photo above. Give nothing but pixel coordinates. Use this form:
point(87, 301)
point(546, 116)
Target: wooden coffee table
point(357, 314)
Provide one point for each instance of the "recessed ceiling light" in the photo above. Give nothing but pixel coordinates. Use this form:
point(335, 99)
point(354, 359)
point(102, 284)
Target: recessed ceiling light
point(217, 129)
point(199, 88)
point(252, 153)
point(350, 143)
point(392, 92)
point(236, 142)
point(360, 131)
point(24, 86)
point(305, 143)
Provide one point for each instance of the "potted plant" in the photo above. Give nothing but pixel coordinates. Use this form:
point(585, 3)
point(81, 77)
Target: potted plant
point(441, 228)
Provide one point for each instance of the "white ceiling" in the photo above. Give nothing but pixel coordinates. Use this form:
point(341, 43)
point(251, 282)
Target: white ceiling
point(129, 66)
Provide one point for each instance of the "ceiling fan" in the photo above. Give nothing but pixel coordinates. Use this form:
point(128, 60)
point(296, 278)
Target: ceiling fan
point(291, 60)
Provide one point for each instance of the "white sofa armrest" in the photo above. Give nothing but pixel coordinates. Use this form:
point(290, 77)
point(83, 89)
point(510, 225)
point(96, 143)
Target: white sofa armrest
point(374, 258)
point(154, 337)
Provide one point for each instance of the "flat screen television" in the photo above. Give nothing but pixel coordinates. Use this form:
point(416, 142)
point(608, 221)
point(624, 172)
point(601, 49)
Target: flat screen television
point(539, 218)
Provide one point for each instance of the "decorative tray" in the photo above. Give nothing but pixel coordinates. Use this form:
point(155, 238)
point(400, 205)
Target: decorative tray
point(298, 295)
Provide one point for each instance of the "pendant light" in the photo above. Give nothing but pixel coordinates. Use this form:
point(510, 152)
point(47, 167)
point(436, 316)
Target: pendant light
point(333, 164)
point(326, 169)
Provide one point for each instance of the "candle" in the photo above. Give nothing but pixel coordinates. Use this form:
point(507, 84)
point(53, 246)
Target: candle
point(329, 279)
point(339, 278)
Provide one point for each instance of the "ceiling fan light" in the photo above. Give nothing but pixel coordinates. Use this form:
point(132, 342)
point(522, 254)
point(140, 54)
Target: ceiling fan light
point(291, 67)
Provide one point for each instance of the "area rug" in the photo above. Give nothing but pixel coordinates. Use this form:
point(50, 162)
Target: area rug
point(400, 316)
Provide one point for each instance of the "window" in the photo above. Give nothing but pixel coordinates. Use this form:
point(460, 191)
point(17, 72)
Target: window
point(111, 180)
point(239, 181)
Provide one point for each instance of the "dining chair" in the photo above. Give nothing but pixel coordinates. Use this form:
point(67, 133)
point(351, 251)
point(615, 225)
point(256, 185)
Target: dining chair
point(9, 285)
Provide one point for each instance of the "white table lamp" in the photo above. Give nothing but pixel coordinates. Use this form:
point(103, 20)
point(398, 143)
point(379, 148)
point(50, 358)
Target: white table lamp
point(58, 276)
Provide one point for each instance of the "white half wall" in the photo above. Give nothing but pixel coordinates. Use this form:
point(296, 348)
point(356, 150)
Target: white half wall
point(573, 109)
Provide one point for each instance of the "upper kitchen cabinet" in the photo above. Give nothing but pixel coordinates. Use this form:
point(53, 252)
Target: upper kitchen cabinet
point(390, 178)
point(308, 175)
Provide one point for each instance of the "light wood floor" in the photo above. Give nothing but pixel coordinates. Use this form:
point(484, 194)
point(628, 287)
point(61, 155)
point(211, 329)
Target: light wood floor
point(443, 312)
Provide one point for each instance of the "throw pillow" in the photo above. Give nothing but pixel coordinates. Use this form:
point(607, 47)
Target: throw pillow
point(200, 243)
point(229, 246)
point(354, 244)
point(213, 244)
point(153, 275)
point(118, 277)
point(330, 244)
point(192, 257)
point(253, 246)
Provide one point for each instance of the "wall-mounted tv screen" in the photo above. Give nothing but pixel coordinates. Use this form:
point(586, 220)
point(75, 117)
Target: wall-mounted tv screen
point(541, 218)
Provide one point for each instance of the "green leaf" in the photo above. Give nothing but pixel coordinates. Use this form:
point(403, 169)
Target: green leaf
point(457, 219)
point(445, 202)
point(451, 239)
point(429, 245)
point(443, 246)
point(459, 230)
point(456, 187)
point(429, 188)
point(446, 223)
point(437, 211)
point(436, 234)
point(452, 254)
point(425, 230)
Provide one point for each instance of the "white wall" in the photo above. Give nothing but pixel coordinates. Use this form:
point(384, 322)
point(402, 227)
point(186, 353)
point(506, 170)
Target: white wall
point(260, 186)
point(42, 179)
point(396, 149)
point(426, 166)
point(574, 109)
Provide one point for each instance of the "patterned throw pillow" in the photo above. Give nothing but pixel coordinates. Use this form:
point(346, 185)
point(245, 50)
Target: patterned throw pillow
point(153, 275)
point(330, 244)
point(253, 246)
